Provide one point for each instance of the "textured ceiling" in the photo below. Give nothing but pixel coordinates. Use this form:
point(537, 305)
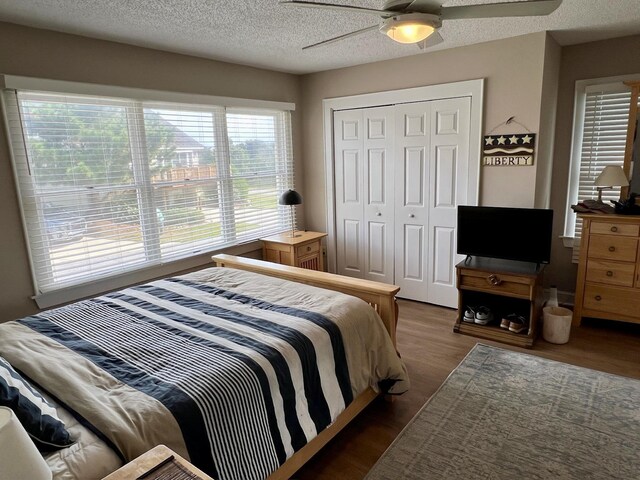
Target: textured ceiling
point(265, 34)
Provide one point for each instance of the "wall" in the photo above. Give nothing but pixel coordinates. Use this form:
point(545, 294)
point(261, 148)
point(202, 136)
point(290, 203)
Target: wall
point(546, 134)
point(46, 54)
point(512, 70)
point(608, 58)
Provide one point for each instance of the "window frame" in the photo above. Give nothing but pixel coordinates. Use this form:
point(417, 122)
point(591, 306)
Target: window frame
point(96, 285)
point(581, 88)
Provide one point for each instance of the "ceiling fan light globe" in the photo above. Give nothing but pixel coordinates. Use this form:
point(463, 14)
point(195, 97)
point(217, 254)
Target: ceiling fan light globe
point(410, 33)
point(410, 28)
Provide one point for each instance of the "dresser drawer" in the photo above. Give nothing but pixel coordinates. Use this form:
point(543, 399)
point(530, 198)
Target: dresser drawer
point(609, 228)
point(611, 273)
point(612, 247)
point(308, 249)
point(616, 300)
point(495, 283)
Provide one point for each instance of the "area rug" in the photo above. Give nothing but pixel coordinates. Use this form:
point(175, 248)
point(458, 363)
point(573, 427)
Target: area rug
point(508, 415)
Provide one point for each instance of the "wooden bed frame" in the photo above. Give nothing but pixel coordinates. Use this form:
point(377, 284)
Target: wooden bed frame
point(380, 296)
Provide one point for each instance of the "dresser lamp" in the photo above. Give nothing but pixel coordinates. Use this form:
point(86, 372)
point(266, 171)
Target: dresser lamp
point(291, 198)
point(611, 176)
point(19, 457)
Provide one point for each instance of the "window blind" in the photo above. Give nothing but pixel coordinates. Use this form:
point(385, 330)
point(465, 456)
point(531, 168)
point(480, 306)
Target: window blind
point(604, 134)
point(111, 185)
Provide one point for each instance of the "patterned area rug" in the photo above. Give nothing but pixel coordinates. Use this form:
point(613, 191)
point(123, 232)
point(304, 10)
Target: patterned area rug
point(508, 415)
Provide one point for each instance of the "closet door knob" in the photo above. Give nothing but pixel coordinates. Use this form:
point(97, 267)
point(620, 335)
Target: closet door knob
point(378, 214)
point(411, 215)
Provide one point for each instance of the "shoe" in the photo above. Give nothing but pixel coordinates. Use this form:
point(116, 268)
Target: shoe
point(506, 320)
point(483, 316)
point(518, 323)
point(469, 315)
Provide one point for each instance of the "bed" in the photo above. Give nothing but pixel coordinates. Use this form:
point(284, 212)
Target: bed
point(235, 368)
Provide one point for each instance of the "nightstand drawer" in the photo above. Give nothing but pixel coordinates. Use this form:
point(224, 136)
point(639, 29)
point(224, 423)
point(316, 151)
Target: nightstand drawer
point(611, 247)
point(616, 300)
point(611, 273)
point(308, 249)
point(607, 228)
point(494, 283)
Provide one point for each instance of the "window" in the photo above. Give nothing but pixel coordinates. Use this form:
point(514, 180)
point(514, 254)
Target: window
point(111, 185)
point(600, 132)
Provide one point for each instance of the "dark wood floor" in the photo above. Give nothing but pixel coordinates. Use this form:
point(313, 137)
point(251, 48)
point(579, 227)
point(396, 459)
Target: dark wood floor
point(431, 351)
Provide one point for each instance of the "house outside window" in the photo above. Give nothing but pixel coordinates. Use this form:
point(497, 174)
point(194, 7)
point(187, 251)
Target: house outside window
point(601, 119)
point(110, 185)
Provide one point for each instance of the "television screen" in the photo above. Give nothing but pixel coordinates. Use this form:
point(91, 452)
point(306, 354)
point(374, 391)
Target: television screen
point(522, 234)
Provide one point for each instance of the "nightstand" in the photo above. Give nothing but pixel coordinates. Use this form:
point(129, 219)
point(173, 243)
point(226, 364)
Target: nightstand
point(159, 462)
point(304, 250)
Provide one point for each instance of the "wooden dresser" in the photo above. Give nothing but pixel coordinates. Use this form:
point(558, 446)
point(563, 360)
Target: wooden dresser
point(304, 250)
point(608, 283)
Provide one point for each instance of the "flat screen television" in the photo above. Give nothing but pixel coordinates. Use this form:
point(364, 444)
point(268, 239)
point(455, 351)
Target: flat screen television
point(522, 234)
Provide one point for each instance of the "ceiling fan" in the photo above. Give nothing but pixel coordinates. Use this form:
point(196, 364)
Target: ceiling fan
point(418, 21)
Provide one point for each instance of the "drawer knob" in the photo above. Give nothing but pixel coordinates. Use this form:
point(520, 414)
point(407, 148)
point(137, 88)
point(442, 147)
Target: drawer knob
point(494, 280)
point(598, 298)
point(609, 273)
point(612, 249)
point(308, 249)
point(614, 229)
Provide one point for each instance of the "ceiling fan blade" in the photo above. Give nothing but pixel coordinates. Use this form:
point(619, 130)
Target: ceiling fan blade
point(431, 41)
point(507, 9)
point(425, 6)
point(333, 6)
point(341, 37)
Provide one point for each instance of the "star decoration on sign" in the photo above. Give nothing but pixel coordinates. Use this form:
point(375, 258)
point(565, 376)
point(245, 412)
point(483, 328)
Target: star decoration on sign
point(501, 140)
point(488, 141)
point(513, 140)
point(526, 139)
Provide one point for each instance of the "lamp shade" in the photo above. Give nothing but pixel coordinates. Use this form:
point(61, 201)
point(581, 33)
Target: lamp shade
point(612, 176)
point(19, 457)
point(290, 197)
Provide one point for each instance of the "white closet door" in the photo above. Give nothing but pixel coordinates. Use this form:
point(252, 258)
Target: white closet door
point(349, 169)
point(411, 194)
point(448, 188)
point(378, 193)
point(364, 193)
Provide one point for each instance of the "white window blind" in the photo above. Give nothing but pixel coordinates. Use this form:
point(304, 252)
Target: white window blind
point(604, 133)
point(111, 185)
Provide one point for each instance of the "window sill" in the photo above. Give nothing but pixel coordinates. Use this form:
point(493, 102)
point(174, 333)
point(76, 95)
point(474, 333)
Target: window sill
point(568, 242)
point(99, 287)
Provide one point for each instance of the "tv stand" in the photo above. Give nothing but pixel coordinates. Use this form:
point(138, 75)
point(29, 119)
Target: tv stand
point(505, 287)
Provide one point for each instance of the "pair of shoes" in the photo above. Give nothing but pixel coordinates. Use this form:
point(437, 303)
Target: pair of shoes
point(514, 323)
point(469, 315)
point(483, 316)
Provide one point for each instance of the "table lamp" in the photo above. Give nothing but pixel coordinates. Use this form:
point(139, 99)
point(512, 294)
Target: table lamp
point(611, 176)
point(19, 457)
point(291, 198)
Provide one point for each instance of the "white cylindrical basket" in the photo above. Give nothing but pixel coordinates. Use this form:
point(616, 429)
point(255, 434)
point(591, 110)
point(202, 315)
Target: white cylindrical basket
point(556, 324)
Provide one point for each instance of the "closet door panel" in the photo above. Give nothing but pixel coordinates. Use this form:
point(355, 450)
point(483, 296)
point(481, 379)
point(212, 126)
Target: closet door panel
point(349, 170)
point(378, 212)
point(449, 151)
point(411, 194)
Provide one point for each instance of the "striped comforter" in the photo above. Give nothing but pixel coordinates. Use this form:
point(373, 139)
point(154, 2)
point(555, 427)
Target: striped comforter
point(234, 370)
